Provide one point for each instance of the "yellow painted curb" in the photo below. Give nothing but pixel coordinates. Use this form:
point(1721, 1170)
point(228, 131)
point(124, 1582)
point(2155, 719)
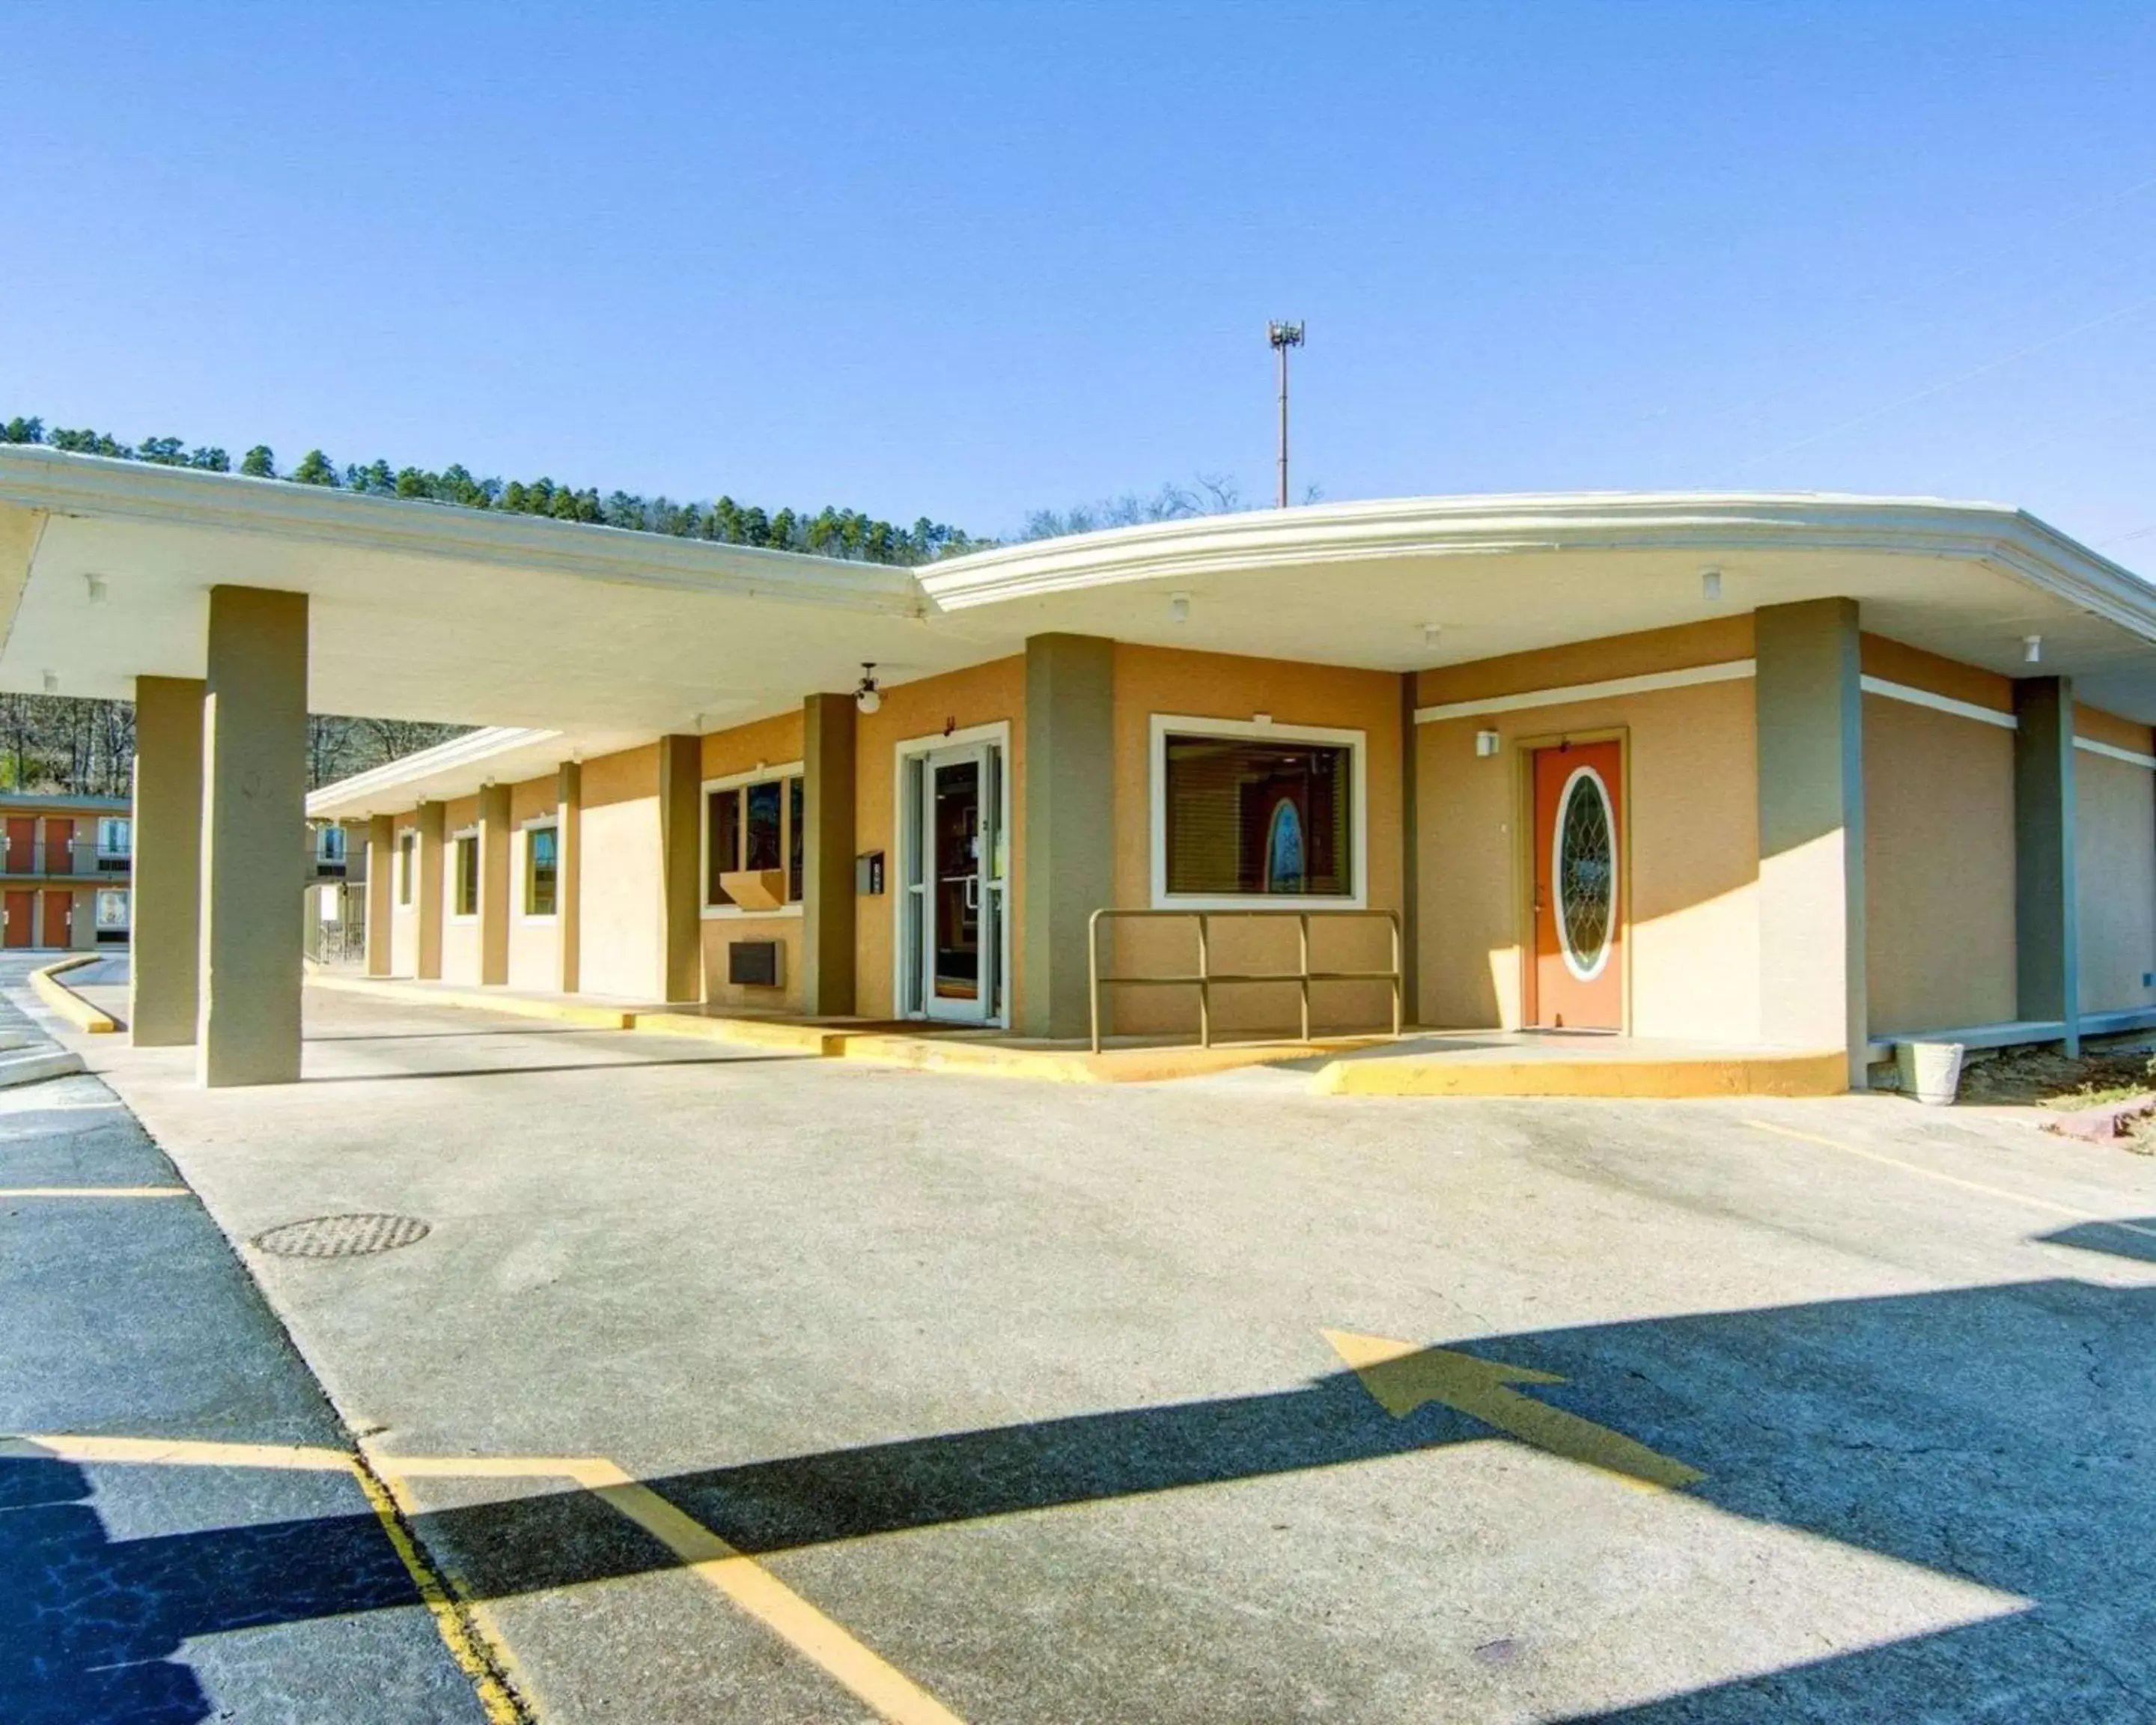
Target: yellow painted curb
point(1793, 1075)
point(564, 1012)
point(757, 1033)
point(64, 1001)
point(1118, 1065)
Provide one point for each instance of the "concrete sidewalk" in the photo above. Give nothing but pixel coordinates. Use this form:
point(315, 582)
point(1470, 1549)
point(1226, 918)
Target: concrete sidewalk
point(202, 1584)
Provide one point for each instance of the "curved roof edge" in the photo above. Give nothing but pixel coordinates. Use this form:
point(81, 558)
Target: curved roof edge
point(1994, 533)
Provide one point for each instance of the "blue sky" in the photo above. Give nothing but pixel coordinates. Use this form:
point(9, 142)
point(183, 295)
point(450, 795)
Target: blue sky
point(968, 261)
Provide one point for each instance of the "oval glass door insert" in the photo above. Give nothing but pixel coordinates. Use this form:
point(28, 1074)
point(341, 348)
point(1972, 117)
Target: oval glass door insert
point(1585, 870)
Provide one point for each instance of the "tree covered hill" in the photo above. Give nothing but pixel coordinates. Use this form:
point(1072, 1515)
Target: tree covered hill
point(830, 532)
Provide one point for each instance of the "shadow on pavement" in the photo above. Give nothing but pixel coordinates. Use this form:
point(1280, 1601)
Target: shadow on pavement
point(2110, 1237)
point(1998, 1434)
point(565, 1066)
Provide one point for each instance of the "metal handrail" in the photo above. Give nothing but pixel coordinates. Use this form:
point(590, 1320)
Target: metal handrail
point(1204, 978)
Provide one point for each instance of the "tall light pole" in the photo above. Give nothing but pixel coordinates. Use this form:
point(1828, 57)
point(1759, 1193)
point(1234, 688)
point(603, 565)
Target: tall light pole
point(1283, 336)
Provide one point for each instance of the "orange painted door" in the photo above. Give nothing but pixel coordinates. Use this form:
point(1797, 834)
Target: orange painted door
point(59, 919)
point(60, 848)
point(21, 908)
point(1576, 980)
point(22, 846)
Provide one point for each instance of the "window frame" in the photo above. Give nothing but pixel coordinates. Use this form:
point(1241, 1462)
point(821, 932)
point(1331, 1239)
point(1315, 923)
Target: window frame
point(105, 894)
point(455, 874)
point(123, 825)
point(407, 868)
point(331, 845)
point(544, 824)
point(1358, 745)
point(779, 774)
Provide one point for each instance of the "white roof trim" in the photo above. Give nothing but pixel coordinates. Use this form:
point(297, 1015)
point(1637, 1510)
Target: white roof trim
point(473, 749)
point(1914, 696)
point(2112, 751)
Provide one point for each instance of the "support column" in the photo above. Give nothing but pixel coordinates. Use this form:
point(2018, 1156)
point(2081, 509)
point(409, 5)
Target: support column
point(255, 796)
point(83, 925)
point(1410, 856)
point(164, 966)
point(381, 893)
point(1810, 712)
point(568, 876)
point(2046, 904)
point(427, 894)
point(1067, 849)
point(682, 928)
point(827, 881)
point(495, 885)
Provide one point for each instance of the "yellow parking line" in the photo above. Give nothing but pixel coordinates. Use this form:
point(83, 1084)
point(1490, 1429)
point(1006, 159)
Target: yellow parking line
point(93, 1192)
point(168, 1452)
point(2024, 1198)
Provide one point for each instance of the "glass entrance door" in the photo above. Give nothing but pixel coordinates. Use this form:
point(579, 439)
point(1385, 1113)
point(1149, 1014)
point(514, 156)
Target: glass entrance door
point(961, 880)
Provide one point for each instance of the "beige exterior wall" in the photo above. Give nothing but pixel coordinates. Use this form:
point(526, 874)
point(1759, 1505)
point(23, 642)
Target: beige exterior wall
point(2098, 726)
point(534, 945)
point(769, 742)
point(1691, 816)
point(403, 918)
point(459, 934)
point(2115, 864)
point(982, 695)
point(1938, 861)
point(1215, 686)
point(619, 893)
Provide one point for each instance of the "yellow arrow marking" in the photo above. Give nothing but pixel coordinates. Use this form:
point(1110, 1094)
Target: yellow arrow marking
point(1403, 1376)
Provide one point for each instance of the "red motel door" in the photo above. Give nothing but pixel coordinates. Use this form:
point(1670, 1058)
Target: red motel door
point(1576, 980)
point(59, 919)
point(21, 907)
point(22, 846)
point(59, 851)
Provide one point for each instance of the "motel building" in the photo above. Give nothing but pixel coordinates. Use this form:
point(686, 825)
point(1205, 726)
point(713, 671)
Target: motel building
point(1773, 775)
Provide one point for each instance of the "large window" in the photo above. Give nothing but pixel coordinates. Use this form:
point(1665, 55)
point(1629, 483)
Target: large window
point(408, 865)
point(1254, 811)
point(753, 825)
point(541, 869)
point(466, 903)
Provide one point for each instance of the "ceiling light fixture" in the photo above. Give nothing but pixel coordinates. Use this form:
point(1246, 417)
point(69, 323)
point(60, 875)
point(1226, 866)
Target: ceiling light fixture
point(868, 697)
point(1179, 607)
point(97, 589)
point(1710, 584)
point(1431, 634)
point(2032, 649)
point(52, 682)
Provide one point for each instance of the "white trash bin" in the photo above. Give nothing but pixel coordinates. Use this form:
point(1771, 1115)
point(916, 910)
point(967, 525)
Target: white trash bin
point(1930, 1071)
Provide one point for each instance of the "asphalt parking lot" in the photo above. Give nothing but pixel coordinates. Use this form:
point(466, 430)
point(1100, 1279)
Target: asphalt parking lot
point(726, 1385)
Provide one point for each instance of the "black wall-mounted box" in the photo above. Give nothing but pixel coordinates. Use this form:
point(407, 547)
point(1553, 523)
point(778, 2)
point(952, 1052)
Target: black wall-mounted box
point(753, 965)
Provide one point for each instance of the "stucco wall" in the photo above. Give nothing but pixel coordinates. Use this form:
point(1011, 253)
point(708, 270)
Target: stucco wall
point(619, 883)
point(459, 934)
point(403, 918)
point(768, 742)
point(1693, 837)
point(534, 942)
point(2116, 870)
point(1938, 865)
point(982, 694)
point(1218, 685)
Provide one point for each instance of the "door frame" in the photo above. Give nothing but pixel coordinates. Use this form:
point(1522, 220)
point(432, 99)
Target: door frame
point(1524, 751)
point(906, 839)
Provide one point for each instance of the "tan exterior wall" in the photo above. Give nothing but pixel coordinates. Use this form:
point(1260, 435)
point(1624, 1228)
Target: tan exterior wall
point(2115, 863)
point(1217, 686)
point(982, 695)
point(534, 942)
point(1939, 860)
point(1896, 662)
point(768, 742)
point(459, 934)
point(1693, 821)
point(619, 893)
point(2098, 726)
point(403, 918)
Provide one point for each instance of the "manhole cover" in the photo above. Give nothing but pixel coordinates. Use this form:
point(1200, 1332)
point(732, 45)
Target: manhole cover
point(342, 1236)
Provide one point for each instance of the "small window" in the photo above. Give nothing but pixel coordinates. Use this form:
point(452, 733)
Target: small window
point(328, 844)
point(467, 901)
point(116, 837)
point(756, 827)
point(1246, 817)
point(541, 869)
point(112, 908)
point(408, 865)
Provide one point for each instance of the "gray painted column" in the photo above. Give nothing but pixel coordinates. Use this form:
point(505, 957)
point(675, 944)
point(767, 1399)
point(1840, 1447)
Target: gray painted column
point(495, 885)
point(1410, 859)
point(432, 825)
point(165, 965)
point(568, 874)
point(381, 893)
point(2046, 908)
point(254, 807)
point(682, 900)
point(827, 881)
point(1067, 844)
point(1811, 711)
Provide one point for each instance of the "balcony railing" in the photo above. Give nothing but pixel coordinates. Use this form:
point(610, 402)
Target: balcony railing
point(81, 856)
